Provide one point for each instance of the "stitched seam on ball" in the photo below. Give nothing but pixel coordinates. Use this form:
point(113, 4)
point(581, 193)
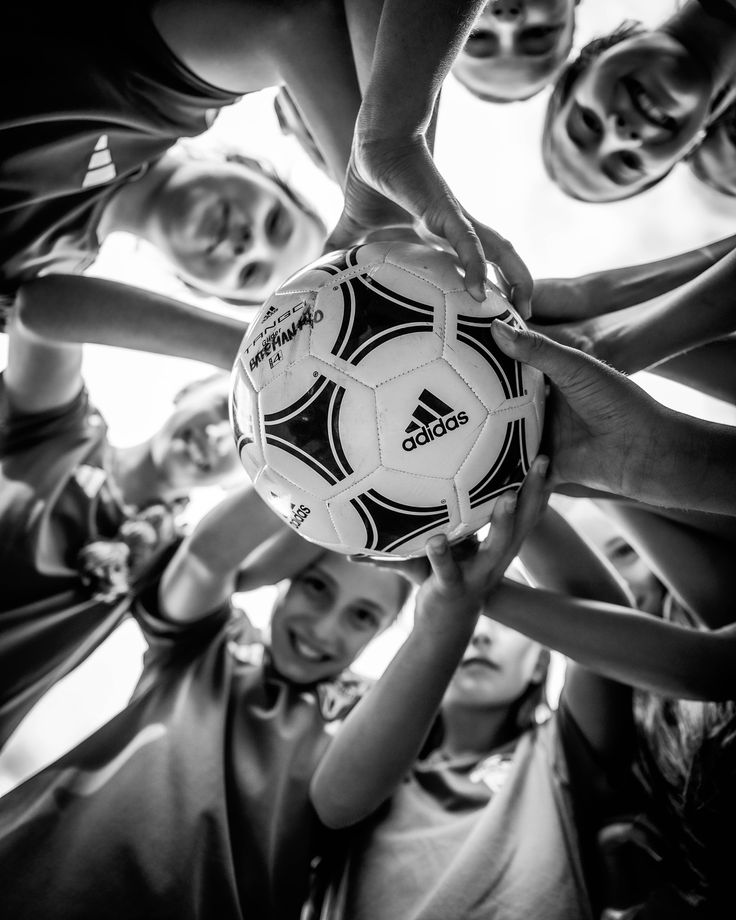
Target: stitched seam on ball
point(408, 271)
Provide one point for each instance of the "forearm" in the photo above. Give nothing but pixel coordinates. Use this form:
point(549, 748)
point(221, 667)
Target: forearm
point(282, 556)
point(697, 313)
point(684, 462)
point(202, 573)
point(691, 554)
point(316, 63)
point(72, 308)
point(557, 558)
point(40, 375)
point(416, 45)
point(622, 644)
point(636, 284)
point(710, 369)
point(382, 737)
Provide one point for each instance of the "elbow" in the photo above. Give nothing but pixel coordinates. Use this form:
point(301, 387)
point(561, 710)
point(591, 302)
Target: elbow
point(334, 810)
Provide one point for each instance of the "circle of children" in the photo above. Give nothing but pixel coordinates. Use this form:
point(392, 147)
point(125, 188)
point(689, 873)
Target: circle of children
point(260, 777)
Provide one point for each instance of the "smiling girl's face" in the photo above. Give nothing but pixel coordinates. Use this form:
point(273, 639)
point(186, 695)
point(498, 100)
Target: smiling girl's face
point(515, 48)
point(633, 112)
point(328, 615)
point(231, 231)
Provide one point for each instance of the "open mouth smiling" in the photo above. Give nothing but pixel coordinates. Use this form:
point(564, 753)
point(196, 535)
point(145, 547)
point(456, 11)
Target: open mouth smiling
point(645, 105)
point(306, 650)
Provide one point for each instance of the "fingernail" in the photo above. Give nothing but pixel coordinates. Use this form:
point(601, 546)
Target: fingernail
point(509, 333)
point(510, 499)
point(541, 465)
point(438, 544)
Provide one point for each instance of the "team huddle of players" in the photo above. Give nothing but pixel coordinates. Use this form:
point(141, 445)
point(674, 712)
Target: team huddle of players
point(257, 775)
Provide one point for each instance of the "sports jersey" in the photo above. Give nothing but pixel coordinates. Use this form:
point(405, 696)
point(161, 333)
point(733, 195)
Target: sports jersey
point(721, 9)
point(470, 839)
point(87, 101)
point(193, 802)
point(55, 498)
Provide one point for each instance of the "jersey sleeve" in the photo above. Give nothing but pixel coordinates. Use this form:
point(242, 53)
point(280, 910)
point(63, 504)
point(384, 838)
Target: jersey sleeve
point(21, 432)
point(170, 640)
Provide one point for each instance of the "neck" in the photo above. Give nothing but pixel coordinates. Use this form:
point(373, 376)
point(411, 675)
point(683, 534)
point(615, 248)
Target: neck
point(132, 206)
point(711, 42)
point(137, 477)
point(475, 731)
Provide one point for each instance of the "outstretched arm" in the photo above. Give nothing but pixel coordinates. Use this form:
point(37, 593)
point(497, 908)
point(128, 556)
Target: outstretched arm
point(691, 553)
point(76, 308)
point(600, 631)
point(202, 573)
point(557, 558)
point(416, 44)
point(558, 300)
point(710, 369)
point(701, 311)
point(381, 738)
point(605, 432)
point(41, 374)
point(623, 644)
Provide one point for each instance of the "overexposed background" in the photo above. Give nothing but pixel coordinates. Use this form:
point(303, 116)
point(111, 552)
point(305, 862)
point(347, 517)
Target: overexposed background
point(490, 156)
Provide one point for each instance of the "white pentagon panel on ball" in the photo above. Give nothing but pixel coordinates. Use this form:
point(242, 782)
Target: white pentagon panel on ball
point(495, 306)
point(438, 268)
point(428, 421)
point(318, 427)
point(358, 317)
point(278, 336)
point(392, 513)
point(304, 513)
point(499, 461)
point(244, 421)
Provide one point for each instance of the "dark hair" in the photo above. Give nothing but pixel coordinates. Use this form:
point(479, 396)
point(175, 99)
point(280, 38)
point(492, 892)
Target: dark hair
point(687, 763)
point(563, 87)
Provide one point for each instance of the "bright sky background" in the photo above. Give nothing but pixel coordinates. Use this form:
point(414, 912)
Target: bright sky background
point(490, 156)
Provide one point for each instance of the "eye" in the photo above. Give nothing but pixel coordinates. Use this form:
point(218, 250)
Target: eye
point(481, 43)
point(314, 584)
point(591, 121)
point(247, 274)
point(366, 619)
point(620, 551)
point(630, 160)
point(538, 40)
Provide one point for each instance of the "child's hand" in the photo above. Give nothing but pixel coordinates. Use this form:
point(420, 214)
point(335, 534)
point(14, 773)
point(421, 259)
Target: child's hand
point(459, 587)
point(406, 174)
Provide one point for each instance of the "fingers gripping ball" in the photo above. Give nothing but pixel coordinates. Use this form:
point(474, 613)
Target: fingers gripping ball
point(372, 407)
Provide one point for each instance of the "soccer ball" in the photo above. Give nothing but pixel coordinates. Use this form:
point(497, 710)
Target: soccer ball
point(372, 408)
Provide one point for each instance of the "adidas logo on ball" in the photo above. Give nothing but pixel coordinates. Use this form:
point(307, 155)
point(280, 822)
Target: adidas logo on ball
point(298, 515)
point(431, 419)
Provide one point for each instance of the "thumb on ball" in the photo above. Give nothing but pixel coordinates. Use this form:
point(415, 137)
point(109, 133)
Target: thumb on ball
point(558, 362)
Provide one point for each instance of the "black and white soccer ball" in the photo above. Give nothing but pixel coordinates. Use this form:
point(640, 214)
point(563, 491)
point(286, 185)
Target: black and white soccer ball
point(372, 407)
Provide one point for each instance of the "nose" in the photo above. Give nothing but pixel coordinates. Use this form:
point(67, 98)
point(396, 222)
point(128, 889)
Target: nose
point(507, 10)
point(483, 637)
point(625, 128)
point(325, 629)
point(241, 237)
